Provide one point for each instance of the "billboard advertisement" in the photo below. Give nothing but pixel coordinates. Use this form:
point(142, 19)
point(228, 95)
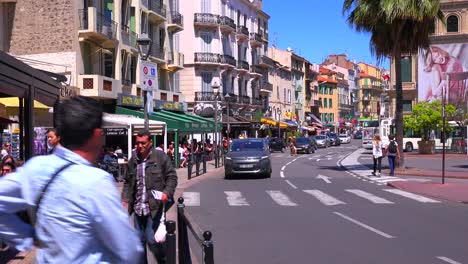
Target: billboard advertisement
point(435, 64)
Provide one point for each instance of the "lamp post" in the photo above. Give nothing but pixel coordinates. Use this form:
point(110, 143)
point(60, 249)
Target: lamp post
point(279, 120)
point(215, 87)
point(144, 47)
point(228, 134)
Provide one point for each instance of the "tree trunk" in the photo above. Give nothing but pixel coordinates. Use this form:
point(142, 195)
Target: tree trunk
point(399, 106)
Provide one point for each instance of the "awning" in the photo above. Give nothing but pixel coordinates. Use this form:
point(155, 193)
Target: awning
point(208, 123)
point(314, 118)
point(268, 121)
point(14, 102)
point(291, 123)
point(308, 128)
point(4, 120)
point(137, 124)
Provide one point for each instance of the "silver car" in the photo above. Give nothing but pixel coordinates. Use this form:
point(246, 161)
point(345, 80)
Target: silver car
point(345, 138)
point(322, 141)
point(247, 156)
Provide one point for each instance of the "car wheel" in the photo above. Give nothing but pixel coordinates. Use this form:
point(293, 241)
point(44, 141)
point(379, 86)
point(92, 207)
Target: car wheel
point(409, 147)
point(282, 150)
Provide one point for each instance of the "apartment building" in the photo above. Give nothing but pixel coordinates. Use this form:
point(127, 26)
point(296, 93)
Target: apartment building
point(281, 99)
point(372, 88)
point(93, 43)
point(446, 37)
point(226, 46)
point(328, 94)
point(345, 107)
point(312, 102)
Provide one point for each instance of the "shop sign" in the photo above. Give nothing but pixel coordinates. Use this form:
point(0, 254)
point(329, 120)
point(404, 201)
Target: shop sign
point(115, 131)
point(170, 106)
point(129, 100)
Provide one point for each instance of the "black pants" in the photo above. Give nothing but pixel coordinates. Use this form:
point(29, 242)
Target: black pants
point(378, 164)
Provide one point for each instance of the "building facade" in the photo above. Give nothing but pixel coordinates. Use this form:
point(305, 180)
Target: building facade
point(225, 46)
point(371, 91)
point(328, 94)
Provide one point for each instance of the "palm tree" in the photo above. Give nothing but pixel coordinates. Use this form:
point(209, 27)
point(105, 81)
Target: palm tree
point(397, 27)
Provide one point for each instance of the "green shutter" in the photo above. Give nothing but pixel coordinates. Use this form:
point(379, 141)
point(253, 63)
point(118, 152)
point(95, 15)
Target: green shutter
point(132, 19)
point(406, 69)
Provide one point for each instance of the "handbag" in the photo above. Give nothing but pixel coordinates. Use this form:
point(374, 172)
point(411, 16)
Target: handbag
point(161, 232)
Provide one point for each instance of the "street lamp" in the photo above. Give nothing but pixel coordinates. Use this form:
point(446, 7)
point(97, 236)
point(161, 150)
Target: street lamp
point(144, 47)
point(226, 98)
point(215, 87)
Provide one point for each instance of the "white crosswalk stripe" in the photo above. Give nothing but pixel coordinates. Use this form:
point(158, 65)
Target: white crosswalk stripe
point(324, 198)
point(191, 198)
point(413, 196)
point(280, 198)
point(236, 199)
point(369, 196)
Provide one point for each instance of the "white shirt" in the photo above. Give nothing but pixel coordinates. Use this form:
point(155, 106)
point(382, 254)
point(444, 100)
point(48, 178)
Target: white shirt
point(377, 149)
point(4, 152)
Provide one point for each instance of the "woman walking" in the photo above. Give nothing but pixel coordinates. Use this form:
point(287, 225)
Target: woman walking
point(377, 155)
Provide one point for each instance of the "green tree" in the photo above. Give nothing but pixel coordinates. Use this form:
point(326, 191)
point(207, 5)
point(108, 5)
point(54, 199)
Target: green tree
point(426, 117)
point(397, 27)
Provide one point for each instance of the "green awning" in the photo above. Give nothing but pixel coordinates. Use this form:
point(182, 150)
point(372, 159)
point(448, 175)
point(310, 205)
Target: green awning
point(172, 124)
point(206, 122)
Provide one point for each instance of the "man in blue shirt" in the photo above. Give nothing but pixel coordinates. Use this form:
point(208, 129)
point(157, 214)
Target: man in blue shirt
point(80, 218)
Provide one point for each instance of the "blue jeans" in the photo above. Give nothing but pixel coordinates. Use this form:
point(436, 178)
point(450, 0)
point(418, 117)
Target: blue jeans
point(391, 164)
point(146, 228)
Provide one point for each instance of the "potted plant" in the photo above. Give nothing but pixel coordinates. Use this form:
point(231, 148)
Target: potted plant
point(425, 117)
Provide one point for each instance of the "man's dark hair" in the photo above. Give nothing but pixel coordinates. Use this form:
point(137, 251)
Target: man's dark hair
point(76, 119)
point(53, 130)
point(143, 133)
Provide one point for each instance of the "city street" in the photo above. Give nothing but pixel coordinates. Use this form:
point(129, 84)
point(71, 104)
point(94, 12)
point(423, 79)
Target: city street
point(313, 211)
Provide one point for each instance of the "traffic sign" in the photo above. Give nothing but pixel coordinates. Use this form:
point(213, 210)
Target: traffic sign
point(148, 76)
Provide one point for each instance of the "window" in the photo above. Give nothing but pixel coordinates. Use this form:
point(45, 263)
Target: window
point(206, 81)
point(289, 95)
point(206, 38)
point(277, 92)
point(175, 98)
point(406, 69)
point(163, 96)
point(205, 6)
point(284, 94)
point(226, 44)
point(223, 9)
point(325, 101)
point(330, 90)
point(407, 106)
point(177, 82)
point(452, 24)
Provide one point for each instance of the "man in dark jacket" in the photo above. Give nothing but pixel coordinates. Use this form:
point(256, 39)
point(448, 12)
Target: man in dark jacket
point(148, 170)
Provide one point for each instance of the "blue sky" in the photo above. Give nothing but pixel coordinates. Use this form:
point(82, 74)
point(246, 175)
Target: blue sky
point(316, 28)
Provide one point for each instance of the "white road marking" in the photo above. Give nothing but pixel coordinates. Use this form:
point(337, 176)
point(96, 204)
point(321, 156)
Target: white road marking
point(324, 198)
point(451, 261)
point(390, 180)
point(292, 185)
point(324, 178)
point(236, 199)
point(283, 167)
point(318, 159)
point(364, 225)
point(413, 196)
point(191, 198)
point(369, 196)
point(281, 198)
point(282, 174)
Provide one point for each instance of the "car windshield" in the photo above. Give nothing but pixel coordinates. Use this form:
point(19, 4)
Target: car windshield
point(343, 135)
point(320, 137)
point(332, 135)
point(247, 145)
point(302, 140)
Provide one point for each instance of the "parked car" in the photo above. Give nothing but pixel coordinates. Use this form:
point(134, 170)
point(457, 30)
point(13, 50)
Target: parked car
point(305, 145)
point(247, 156)
point(334, 140)
point(358, 135)
point(345, 138)
point(277, 144)
point(322, 141)
point(367, 143)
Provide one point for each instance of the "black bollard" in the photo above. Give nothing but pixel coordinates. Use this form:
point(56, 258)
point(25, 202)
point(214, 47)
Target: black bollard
point(183, 242)
point(171, 242)
point(189, 169)
point(197, 164)
point(208, 252)
point(204, 163)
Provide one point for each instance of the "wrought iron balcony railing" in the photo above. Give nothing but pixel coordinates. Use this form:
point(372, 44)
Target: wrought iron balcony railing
point(204, 96)
point(242, 30)
point(255, 36)
point(257, 101)
point(242, 65)
point(266, 86)
point(227, 22)
point(257, 69)
point(176, 18)
point(206, 18)
point(157, 7)
point(243, 99)
point(227, 59)
point(104, 25)
point(157, 52)
point(206, 57)
point(231, 99)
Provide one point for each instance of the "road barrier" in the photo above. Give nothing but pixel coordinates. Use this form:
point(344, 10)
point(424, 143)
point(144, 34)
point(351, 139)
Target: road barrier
point(183, 247)
point(200, 163)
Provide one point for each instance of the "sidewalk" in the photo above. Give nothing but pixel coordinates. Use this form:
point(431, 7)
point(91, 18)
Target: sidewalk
point(28, 257)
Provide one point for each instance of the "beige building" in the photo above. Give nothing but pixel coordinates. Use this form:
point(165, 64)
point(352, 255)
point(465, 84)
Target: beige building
point(280, 100)
point(93, 43)
point(226, 45)
point(372, 89)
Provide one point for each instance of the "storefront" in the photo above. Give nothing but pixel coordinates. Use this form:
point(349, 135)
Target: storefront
point(27, 85)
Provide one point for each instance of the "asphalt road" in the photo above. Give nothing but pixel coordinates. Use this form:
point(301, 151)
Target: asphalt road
point(295, 217)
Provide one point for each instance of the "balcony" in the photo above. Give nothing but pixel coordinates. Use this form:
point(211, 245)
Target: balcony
point(257, 101)
point(227, 60)
point(231, 99)
point(204, 97)
point(157, 12)
point(255, 39)
point(94, 85)
point(176, 22)
point(128, 37)
point(243, 99)
point(265, 61)
point(96, 27)
point(315, 103)
point(206, 58)
point(175, 61)
point(266, 87)
point(265, 37)
point(242, 65)
point(242, 32)
point(257, 70)
point(227, 24)
point(374, 87)
point(157, 53)
point(206, 20)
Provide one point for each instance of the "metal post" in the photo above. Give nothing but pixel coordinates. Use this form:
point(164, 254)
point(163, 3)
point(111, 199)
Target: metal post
point(145, 102)
point(228, 134)
point(171, 242)
point(444, 91)
point(208, 256)
point(216, 131)
point(279, 123)
point(183, 243)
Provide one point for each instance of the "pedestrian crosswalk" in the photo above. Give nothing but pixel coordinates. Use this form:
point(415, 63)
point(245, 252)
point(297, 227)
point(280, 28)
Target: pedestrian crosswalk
point(281, 198)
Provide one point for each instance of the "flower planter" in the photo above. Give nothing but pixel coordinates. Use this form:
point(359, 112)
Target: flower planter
point(426, 147)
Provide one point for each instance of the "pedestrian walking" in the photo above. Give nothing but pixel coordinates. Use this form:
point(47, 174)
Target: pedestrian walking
point(392, 153)
point(6, 149)
point(75, 209)
point(149, 170)
point(377, 155)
